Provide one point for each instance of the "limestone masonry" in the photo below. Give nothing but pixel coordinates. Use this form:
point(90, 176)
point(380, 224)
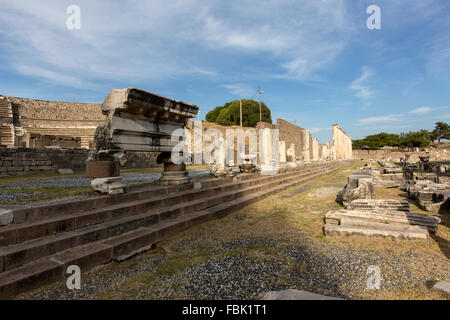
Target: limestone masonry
point(37, 123)
point(38, 135)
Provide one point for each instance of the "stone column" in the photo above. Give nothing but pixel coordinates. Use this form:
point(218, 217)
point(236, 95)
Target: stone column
point(174, 174)
point(221, 168)
point(315, 149)
point(282, 150)
point(305, 145)
point(291, 156)
point(268, 154)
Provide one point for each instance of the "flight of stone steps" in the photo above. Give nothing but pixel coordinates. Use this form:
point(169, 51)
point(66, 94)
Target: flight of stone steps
point(45, 239)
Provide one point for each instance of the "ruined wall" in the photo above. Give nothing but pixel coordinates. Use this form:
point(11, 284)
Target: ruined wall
point(6, 123)
point(441, 154)
point(40, 123)
point(19, 161)
point(342, 143)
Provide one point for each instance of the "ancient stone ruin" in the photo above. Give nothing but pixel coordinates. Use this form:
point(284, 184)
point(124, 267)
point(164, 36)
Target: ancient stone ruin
point(365, 216)
point(428, 184)
point(137, 120)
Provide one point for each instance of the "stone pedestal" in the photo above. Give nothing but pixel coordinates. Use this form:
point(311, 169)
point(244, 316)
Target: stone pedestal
point(102, 169)
point(174, 174)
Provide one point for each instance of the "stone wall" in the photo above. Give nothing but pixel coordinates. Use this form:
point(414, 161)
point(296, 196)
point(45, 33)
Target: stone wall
point(38, 123)
point(19, 161)
point(439, 154)
point(342, 143)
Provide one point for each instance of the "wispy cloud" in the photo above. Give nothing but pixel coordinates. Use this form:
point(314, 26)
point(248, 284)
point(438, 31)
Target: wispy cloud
point(318, 129)
point(296, 39)
point(421, 110)
point(359, 85)
point(380, 119)
point(240, 90)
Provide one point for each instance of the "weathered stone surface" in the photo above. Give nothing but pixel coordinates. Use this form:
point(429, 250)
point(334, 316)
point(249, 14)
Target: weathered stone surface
point(358, 187)
point(406, 233)
point(442, 286)
point(293, 294)
point(378, 204)
point(386, 217)
point(6, 217)
point(342, 144)
point(109, 185)
point(141, 121)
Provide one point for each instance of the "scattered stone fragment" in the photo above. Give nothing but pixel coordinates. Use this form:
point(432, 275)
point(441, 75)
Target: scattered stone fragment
point(293, 294)
point(442, 286)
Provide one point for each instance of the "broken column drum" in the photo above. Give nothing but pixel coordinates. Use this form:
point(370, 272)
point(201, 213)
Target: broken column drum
point(142, 121)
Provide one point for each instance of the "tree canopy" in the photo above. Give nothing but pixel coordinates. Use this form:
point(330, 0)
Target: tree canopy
point(441, 131)
point(412, 139)
point(229, 113)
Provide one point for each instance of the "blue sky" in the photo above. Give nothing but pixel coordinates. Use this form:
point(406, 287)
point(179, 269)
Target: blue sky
point(316, 60)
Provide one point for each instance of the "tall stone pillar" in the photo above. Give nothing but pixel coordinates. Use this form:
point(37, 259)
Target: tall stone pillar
point(315, 149)
point(282, 151)
point(305, 145)
point(268, 150)
point(291, 156)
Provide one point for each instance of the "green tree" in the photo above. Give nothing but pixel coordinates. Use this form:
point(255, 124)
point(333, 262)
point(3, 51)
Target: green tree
point(416, 139)
point(378, 141)
point(212, 115)
point(441, 131)
point(229, 114)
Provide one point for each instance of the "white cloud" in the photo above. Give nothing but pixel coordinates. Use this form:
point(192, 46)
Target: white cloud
point(155, 40)
point(380, 119)
point(421, 110)
point(240, 90)
point(362, 90)
point(317, 129)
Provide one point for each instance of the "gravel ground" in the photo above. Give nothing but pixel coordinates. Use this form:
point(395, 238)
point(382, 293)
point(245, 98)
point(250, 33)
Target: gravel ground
point(306, 266)
point(97, 282)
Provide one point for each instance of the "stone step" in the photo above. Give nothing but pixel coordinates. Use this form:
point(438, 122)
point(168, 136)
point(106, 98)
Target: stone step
point(104, 226)
point(354, 222)
point(16, 234)
point(391, 217)
point(53, 209)
point(379, 204)
point(409, 234)
point(120, 246)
